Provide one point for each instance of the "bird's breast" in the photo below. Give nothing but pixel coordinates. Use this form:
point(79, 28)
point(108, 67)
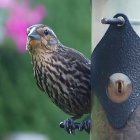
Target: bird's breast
point(63, 84)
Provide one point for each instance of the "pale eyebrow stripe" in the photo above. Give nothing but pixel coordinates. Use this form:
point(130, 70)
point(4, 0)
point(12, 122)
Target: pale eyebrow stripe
point(33, 29)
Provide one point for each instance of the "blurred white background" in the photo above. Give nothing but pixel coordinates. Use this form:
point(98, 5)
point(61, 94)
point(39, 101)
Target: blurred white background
point(108, 8)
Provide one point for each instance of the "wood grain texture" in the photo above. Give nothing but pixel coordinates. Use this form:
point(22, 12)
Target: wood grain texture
point(102, 130)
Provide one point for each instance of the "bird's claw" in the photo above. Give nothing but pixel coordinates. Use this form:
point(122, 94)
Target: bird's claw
point(69, 125)
point(85, 125)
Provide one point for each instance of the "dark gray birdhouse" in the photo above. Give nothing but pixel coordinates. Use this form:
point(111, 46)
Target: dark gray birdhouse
point(115, 77)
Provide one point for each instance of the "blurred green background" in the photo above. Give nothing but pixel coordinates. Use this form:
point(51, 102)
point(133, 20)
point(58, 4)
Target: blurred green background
point(23, 107)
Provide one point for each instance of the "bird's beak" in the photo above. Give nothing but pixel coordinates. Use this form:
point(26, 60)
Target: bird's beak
point(33, 34)
point(33, 39)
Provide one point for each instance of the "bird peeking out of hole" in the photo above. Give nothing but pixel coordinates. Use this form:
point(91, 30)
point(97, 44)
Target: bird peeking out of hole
point(62, 73)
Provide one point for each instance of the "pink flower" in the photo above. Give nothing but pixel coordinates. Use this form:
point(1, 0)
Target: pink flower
point(21, 17)
point(6, 3)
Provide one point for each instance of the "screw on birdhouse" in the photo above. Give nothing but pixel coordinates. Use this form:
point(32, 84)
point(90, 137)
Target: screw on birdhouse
point(119, 87)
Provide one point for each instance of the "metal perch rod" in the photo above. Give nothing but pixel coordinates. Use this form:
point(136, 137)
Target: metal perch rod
point(118, 21)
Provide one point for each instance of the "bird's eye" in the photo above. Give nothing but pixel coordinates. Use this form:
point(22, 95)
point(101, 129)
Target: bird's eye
point(46, 32)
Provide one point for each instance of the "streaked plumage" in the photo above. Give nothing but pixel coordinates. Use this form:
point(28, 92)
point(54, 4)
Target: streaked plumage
point(61, 72)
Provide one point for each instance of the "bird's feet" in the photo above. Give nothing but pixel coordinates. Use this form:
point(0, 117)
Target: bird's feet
point(85, 125)
point(69, 125)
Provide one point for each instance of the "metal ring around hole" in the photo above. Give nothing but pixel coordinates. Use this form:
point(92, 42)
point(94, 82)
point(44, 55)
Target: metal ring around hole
point(119, 87)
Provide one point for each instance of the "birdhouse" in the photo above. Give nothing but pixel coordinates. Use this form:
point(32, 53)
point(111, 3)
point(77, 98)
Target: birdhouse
point(115, 71)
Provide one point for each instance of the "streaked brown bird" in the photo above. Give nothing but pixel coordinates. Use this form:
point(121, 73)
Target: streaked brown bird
point(61, 72)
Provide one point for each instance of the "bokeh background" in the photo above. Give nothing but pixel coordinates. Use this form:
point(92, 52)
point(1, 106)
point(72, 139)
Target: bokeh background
point(23, 108)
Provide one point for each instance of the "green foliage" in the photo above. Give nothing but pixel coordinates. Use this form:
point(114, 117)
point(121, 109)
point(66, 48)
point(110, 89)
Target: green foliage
point(23, 107)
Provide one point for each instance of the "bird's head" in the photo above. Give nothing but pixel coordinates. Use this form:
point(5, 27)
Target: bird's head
point(41, 37)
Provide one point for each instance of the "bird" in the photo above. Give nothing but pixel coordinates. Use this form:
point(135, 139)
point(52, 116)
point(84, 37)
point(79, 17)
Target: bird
point(63, 73)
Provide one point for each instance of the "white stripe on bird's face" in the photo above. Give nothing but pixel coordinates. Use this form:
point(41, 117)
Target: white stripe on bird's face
point(33, 33)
